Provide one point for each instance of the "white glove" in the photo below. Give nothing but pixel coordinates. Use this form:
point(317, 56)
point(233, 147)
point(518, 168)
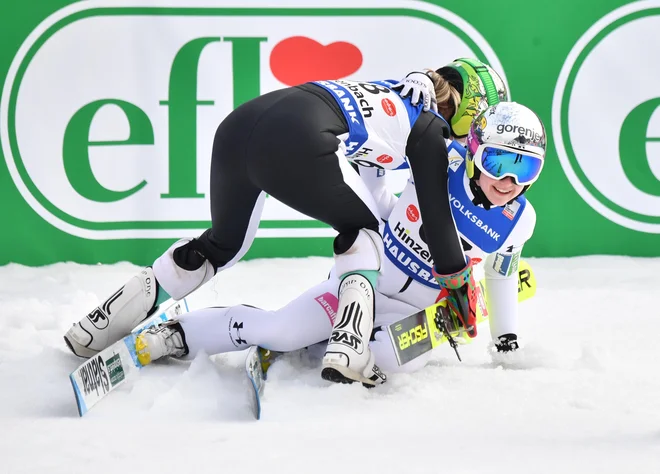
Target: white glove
point(418, 84)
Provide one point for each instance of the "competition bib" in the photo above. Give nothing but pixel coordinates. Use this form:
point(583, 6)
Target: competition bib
point(404, 237)
point(379, 122)
point(485, 229)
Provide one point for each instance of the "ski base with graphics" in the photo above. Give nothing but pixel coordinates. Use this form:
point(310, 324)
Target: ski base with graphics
point(257, 378)
point(97, 377)
point(257, 362)
point(418, 333)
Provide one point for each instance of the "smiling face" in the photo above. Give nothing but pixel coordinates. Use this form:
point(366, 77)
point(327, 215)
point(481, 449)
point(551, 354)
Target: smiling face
point(499, 192)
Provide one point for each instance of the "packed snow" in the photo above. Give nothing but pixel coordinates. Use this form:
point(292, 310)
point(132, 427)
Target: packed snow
point(582, 396)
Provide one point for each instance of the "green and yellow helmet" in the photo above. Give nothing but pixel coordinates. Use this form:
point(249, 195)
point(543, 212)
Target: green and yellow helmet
point(481, 88)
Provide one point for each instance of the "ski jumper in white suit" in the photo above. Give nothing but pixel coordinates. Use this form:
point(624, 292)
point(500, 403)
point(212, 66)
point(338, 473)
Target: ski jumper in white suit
point(405, 283)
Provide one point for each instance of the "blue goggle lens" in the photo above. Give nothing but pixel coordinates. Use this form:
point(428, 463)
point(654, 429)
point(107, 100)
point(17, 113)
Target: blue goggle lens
point(498, 164)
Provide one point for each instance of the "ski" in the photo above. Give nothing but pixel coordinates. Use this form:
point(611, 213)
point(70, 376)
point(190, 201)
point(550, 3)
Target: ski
point(176, 309)
point(99, 375)
point(257, 362)
point(433, 326)
point(257, 379)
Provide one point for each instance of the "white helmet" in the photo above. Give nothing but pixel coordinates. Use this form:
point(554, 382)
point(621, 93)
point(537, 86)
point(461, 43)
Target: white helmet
point(506, 139)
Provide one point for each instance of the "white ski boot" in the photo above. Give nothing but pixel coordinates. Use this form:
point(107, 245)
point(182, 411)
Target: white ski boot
point(348, 358)
point(116, 317)
point(181, 270)
point(159, 341)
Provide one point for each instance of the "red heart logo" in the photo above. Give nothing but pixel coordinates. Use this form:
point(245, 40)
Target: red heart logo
point(299, 59)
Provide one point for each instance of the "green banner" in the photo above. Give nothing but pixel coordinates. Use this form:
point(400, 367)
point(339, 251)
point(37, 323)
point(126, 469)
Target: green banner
point(107, 113)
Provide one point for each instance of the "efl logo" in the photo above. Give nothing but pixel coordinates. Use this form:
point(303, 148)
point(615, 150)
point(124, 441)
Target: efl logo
point(607, 132)
point(108, 112)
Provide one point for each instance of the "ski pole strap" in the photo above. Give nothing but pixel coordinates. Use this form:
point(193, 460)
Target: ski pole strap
point(457, 280)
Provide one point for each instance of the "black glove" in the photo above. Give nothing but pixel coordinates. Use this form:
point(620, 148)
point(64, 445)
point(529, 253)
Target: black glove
point(507, 343)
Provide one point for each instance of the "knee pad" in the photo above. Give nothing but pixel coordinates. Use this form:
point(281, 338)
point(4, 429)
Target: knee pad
point(182, 269)
point(361, 250)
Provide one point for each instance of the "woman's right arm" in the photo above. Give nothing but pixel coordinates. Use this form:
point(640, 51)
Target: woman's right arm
point(428, 158)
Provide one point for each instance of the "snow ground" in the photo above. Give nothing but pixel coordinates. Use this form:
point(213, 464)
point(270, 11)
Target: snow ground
point(582, 397)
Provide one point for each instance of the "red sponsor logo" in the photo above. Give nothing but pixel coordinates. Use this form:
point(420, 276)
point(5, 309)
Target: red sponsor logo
point(329, 303)
point(384, 159)
point(412, 213)
point(388, 107)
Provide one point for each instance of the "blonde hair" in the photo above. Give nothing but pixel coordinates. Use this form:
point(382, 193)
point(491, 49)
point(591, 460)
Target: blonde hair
point(446, 95)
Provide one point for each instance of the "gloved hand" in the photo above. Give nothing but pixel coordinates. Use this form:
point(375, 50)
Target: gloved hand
point(418, 84)
point(461, 296)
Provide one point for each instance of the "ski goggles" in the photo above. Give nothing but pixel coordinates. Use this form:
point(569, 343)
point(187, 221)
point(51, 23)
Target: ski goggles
point(498, 162)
